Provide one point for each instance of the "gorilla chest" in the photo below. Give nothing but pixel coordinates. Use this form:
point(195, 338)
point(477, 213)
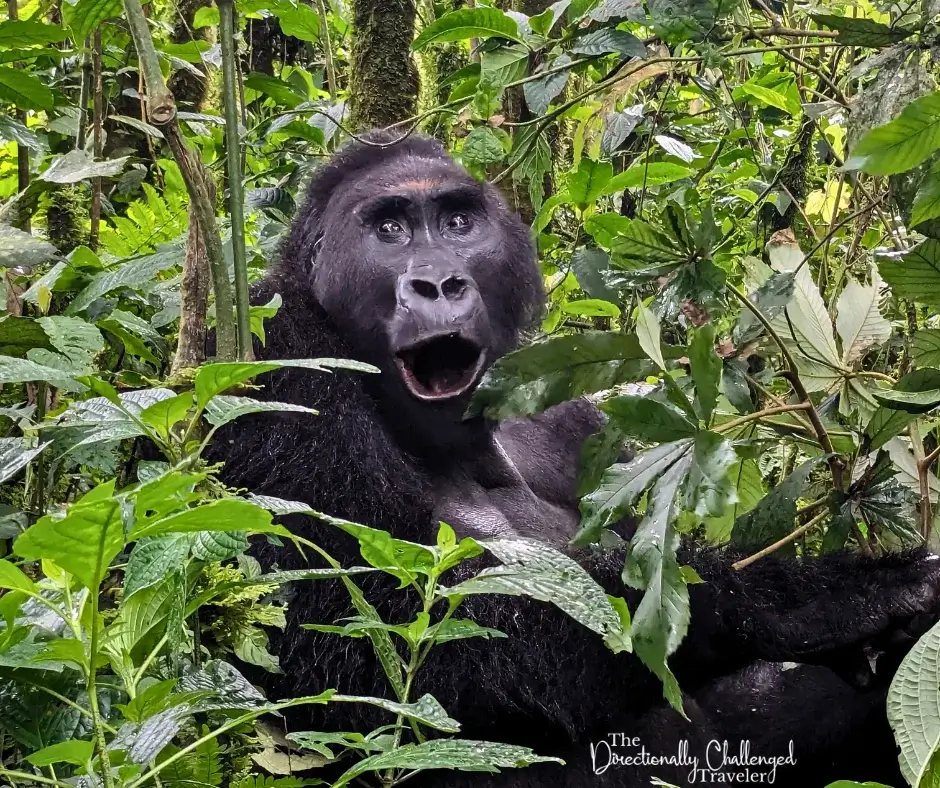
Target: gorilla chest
point(488, 497)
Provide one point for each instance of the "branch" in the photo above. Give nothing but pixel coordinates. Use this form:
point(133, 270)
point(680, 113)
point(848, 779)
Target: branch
point(161, 106)
point(790, 537)
point(730, 425)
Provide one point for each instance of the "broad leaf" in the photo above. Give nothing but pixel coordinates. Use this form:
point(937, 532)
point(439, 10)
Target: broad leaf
point(16, 454)
point(862, 32)
point(648, 419)
point(426, 710)
point(19, 249)
point(152, 560)
point(228, 514)
point(860, 324)
point(222, 408)
point(889, 421)
point(709, 489)
point(85, 16)
point(910, 401)
point(468, 23)
point(650, 173)
point(606, 41)
point(925, 347)
point(12, 578)
point(705, 366)
point(617, 127)
point(23, 90)
point(648, 334)
point(902, 144)
point(78, 165)
point(588, 182)
point(540, 93)
point(927, 200)
point(916, 274)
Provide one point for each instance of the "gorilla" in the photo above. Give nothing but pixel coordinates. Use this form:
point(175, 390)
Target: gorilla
point(399, 258)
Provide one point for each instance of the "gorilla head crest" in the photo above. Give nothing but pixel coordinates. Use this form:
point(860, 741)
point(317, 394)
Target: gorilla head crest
point(430, 276)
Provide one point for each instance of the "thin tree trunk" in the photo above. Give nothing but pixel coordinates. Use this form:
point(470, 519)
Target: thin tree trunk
point(383, 77)
point(97, 142)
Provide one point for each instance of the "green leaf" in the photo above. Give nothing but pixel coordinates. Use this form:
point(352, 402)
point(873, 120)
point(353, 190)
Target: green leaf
point(916, 275)
point(861, 31)
point(21, 370)
point(83, 542)
point(73, 337)
point(622, 484)
point(910, 401)
point(29, 32)
point(222, 408)
point(767, 96)
point(904, 142)
point(640, 245)
point(461, 754)
point(925, 347)
point(74, 751)
point(23, 90)
point(648, 419)
point(12, 578)
point(468, 23)
point(16, 454)
point(653, 173)
point(888, 422)
point(914, 706)
point(426, 710)
point(132, 273)
point(534, 569)
point(748, 483)
point(661, 619)
point(675, 147)
point(152, 560)
point(137, 123)
point(606, 41)
point(300, 21)
point(207, 16)
point(79, 165)
point(617, 127)
point(587, 183)
point(631, 10)
point(648, 334)
point(228, 514)
point(212, 379)
point(682, 20)
point(397, 557)
point(927, 200)
point(589, 265)
point(774, 516)
point(282, 92)
point(21, 334)
point(86, 15)
point(482, 147)
point(706, 367)
point(561, 368)
point(709, 489)
point(540, 93)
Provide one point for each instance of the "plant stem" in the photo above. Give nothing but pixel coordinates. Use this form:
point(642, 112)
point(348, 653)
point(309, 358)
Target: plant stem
point(923, 478)
point(97, 147)
point(92, 689)
point(790, 537)
point(227, 26)
point(34, 778)
point(730, 425)
point(161, 106)
point(331, 84)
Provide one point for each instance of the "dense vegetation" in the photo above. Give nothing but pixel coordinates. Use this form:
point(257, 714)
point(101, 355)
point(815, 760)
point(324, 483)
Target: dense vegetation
point(737, 210)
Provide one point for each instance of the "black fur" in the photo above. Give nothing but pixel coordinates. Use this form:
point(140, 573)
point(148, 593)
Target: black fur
point(371, 456)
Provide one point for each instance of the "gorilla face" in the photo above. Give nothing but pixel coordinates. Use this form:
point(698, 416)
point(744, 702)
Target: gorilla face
point(423, 269)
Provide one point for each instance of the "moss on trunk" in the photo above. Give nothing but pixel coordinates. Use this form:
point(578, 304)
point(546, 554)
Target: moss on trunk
point(383, 77)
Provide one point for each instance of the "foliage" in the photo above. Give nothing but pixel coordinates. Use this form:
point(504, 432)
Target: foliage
point(738, 221)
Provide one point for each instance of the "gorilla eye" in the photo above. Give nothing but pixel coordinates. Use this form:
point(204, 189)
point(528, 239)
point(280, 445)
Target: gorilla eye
point(389, 228)
point(458, 221)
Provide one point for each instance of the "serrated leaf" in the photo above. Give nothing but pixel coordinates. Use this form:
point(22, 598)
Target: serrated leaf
point(23, 90)
point(19, 249)
point(861, 31)
point(618, 126)
point(588, 181)
point(482, 147)
point(648, 419)
point(460, 754)
point(914, 706)
point(270, 197)
point(426, 710)
point(622, 484)
point(152, 560)
point(532, 568)
point(83, 542)
point(859, 321)
point(222, 408)
point(606, 41)
point(888, 422)
point(79, 165)
point(640, 245)
point(915, 275)
point(661, 620)
point(130, 273)
point(218, 545)
point(902, 143)
point(709, 489)
point(468, 23)
point(705, 366)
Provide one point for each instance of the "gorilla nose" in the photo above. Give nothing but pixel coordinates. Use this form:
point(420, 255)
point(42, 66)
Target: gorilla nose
point(438, 300)
point(453, 288)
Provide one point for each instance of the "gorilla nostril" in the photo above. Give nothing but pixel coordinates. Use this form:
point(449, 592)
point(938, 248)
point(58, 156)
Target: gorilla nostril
point(425, 289)
point(453, 287)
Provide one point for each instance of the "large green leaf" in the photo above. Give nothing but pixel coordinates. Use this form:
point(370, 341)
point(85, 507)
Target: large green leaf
point(915, 275)
point(606, 41)
point(153, 559)
point(12, 578)
point(649, 419)
point(540, 93)
point(84, 542)
point(617, 127)
point(927, 200)
point(910, 401)
point(223, 409)
point(461, 754)
point(860, 324)
point(21, 334)
point(300, 21)
point(914, 706)
point(559, 369)
point(132, 273)
point(78, 165)
point(29, 32)
point(19, 249)
point(709, 489)
point(468, 23)
point(228, 514)
point(705, 366)
point(862, 32)
point(661, 620)
point(640, 245)
point(622, 484)
point(903, 143)
point(16, 454)
point(23, 90)
point(21, 370)
point(925, 347)
point(85, 16)
point(588, 181)
point(652, 173)
point(888, 422)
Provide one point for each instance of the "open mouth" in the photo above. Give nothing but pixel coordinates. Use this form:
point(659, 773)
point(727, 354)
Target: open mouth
point(440, 368)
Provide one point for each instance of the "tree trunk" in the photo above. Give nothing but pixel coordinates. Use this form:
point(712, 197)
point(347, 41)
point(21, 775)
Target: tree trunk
point(383, 77)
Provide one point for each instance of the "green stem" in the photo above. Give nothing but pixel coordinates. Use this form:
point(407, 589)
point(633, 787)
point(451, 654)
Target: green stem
point(34, 778)
point(227, 25)
point(92, 689)
point(161, 106)
point(331, 84)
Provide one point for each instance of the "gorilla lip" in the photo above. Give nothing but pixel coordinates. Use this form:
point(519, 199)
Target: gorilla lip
point(440, 368)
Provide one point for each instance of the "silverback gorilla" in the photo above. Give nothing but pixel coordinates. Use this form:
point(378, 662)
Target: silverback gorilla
point(401, 259)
